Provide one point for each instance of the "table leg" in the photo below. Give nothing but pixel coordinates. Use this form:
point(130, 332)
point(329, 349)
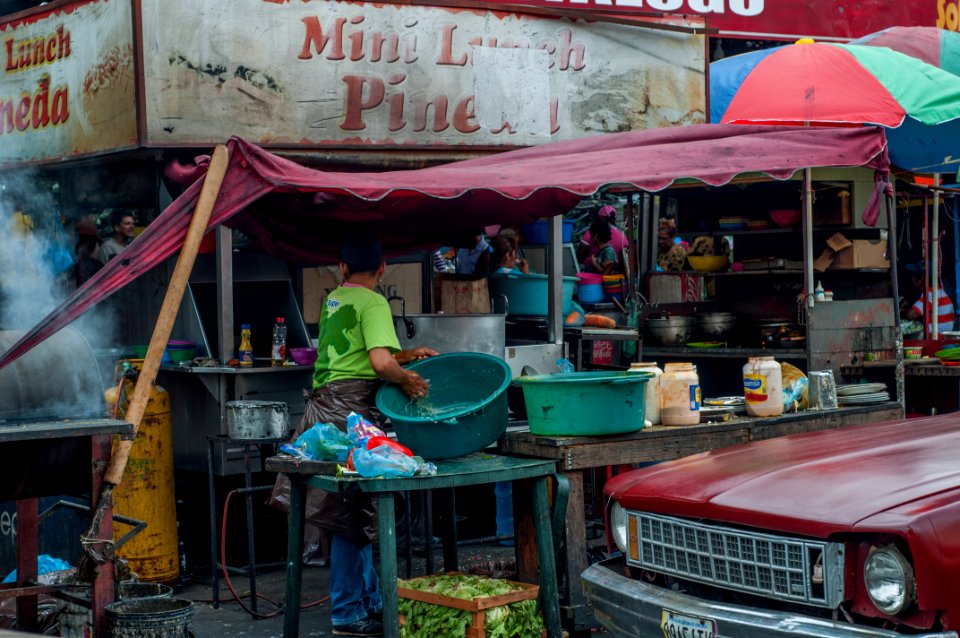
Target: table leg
point(388, 564)
point(251, 544)
point(575, 555)
point(451, 561)
point(549, 603)
point(428, 530)
point(28, 550)
point(298, 502)
point(212, 493)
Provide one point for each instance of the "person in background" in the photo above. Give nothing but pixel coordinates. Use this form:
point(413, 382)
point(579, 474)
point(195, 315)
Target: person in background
point(505, 255)
point(357, 348)
point(673, 254)
point(945, 311)
point(605, 261)
point(123, 225)
point(88, 241)
point(469, 256)
point(618, 239)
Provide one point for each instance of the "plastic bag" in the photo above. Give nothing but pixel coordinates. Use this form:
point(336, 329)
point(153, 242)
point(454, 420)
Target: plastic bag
point(795, 384)
point(360, 430)
point(383, 461)
point(322, 442)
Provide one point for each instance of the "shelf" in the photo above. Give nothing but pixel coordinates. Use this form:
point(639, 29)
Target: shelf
point(723, 353)
point(788, 271)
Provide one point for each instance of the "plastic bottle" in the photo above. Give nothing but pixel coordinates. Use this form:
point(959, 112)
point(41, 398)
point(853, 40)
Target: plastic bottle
point(651, 401)
point(680, 394)
point(278, 352)
point(245, 354)
point(818, 292)
point(763, 387)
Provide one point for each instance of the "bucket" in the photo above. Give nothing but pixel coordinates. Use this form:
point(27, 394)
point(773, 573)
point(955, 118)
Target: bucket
point(464, 411)
point(585, 403)
point(537, 233)
point(76, 620)
point(150, 618)
point(257, 419)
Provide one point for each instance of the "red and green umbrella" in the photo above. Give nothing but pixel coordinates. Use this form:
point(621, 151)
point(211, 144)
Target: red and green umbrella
point(938, 47)
point(826, 83)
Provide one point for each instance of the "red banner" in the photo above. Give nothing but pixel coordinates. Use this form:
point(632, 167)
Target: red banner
point(777, 19)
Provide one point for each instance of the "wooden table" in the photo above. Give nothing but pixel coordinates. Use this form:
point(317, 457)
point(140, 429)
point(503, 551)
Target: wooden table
point(659, 443)
point(474, 469)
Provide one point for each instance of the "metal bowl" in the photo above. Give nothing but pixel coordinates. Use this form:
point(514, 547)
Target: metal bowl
point(716, 324)
point(670, 331)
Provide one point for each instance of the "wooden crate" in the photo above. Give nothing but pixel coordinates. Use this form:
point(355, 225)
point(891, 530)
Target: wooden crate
point(477, 607)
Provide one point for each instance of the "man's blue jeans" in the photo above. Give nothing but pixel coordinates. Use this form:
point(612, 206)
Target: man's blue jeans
point(354, 585)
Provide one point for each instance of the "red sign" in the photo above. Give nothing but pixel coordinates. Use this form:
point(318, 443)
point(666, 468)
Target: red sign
point(775, 19)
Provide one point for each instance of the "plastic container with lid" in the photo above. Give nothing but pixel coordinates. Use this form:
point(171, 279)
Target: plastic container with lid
point(679, 394)
point(763, 387)
point(652, 392)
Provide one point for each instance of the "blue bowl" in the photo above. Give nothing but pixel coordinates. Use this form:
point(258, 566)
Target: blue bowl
point(590, 293)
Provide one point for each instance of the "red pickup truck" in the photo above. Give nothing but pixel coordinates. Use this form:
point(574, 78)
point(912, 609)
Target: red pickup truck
point(843, 533)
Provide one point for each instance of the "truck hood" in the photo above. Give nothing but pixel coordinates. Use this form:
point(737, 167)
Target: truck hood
point(815, 484)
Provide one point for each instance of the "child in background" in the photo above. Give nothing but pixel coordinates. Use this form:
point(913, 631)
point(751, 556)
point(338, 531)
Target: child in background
point(505, 255)
point(605, 260)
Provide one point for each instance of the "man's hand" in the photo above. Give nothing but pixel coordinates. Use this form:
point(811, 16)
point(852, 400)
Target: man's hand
point(406, 356)
point(414, 385)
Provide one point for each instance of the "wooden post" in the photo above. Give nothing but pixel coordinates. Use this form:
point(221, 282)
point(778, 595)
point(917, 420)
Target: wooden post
point(170, 308)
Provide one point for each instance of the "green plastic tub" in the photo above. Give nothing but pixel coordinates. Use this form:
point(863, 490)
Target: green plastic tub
point(527, 294)
point(464, 412)
point(585, 403)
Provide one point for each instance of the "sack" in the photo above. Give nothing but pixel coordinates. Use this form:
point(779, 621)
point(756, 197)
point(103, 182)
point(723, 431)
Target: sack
point(462, 295)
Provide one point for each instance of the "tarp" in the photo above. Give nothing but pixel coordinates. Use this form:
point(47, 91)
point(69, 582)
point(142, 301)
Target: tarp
point(301, 214)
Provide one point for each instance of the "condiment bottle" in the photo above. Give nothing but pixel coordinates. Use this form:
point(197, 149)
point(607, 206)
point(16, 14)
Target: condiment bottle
point(245, 354)
point(278, 351)
point(680, 394)
point(651, 399)
point(763, 386)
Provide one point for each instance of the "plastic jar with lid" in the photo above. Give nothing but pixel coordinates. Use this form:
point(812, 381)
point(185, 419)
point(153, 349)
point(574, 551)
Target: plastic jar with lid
point(763, 387)
point(680, 394)
point(651, 399)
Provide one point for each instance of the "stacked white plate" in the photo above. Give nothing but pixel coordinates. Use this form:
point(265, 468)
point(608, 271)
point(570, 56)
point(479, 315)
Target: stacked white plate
point(862, 394)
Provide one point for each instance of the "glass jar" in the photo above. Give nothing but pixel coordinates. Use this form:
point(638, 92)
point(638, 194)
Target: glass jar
point(763, 387)
point(680, 394)
point(651, 401)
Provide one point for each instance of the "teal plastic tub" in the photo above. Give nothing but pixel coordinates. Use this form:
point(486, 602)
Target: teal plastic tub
point(464, 411)
point(585, 403)
point(527, 294)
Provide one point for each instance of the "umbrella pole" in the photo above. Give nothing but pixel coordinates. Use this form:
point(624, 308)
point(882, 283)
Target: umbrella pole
point(808, 237)
point(935, 260)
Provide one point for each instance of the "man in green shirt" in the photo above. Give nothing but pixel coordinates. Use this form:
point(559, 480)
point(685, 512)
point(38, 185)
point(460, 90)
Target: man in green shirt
point(358, 347)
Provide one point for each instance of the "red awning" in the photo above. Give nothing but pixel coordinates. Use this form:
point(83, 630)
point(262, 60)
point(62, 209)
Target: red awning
point(301, 214)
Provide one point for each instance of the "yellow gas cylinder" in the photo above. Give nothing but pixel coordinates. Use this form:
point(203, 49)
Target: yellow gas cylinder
point(146, 492)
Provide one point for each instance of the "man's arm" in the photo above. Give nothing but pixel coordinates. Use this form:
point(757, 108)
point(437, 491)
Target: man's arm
point(388, 369)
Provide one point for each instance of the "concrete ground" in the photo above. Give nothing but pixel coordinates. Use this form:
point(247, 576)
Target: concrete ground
point(230, 620)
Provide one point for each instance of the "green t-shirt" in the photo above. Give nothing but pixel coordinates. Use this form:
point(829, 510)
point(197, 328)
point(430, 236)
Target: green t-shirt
point(353, 321)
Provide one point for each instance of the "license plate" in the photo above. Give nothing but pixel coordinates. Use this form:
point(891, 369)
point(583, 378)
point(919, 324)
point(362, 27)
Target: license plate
point(676, 625)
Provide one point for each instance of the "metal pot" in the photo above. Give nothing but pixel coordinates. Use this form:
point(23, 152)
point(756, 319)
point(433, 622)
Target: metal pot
point(716, 324)
point(257, 419)
point(670, 331)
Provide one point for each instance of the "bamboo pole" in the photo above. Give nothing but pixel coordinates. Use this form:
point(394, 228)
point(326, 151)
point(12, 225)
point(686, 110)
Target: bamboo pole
point(168, 311)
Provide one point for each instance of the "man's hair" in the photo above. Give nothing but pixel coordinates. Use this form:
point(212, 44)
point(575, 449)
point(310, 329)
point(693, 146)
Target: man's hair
point(361, 253)
point(116, 217)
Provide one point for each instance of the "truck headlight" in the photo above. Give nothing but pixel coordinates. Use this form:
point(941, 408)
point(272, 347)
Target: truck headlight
point(618, 526)
point(889, 579)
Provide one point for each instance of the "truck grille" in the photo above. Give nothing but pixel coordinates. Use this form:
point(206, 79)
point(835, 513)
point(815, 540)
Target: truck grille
point(776, 567)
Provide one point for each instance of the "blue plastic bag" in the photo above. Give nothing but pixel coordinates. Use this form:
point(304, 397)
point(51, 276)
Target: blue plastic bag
point(322, 442)
point(383, 461)
point(45, 564)
point(360, 430)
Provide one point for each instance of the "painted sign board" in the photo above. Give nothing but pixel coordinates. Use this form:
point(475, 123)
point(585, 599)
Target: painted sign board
point(344, 74)
point(779, 19)
point(68, 81)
